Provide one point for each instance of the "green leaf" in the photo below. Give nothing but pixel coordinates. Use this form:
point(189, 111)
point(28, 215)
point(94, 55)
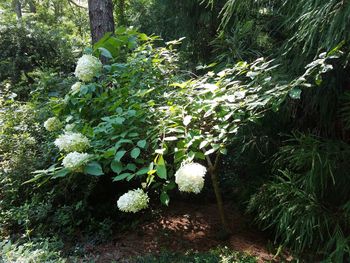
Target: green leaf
point(132, 113)
point(93, 168)
point(109, 153)
point(105, 52)
point(135, 152)
point(133, 134)
point(169, 186)
point(164, 198)
point(161, 168)
point(116, 166)
point(119, 155)
point(131, 167)
point(121, 177)
point(223, 151)
point(61, 173)
point(295, 93)
point(200, 155)
point(118, 120)
point(142, 171)
point(130, 177)
point(114, 120)
point(143, 37)
point(141, 143)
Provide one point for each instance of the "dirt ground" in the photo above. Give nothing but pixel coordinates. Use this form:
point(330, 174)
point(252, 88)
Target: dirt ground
point(186, 227)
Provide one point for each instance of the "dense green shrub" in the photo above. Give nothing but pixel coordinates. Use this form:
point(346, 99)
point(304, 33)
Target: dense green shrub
point(29, 47)
point(25, 146)
point(194, 21)
point(139, 120)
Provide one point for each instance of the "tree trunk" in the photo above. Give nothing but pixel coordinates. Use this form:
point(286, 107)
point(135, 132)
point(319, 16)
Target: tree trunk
point(121, 13)
point(17, 7)
point(32, 7)
point(101, 18)
point(214, 179)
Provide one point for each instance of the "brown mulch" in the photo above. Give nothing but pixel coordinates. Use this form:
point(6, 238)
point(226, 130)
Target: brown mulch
point(185, 227)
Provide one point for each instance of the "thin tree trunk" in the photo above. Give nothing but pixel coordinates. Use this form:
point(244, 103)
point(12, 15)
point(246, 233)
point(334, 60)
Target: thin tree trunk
point(32, 7)
point(101, 18)
point(219, 201)
point(121, 13)
point(215, 182)
point(17, 7)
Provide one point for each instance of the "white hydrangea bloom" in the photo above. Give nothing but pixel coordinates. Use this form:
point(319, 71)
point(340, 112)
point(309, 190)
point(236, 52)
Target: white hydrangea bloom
point(190, 178)
point(75, 161)
point(133, 201)
point(72, 142)
point(52, 124)
point(87, 68)
point(76, 87)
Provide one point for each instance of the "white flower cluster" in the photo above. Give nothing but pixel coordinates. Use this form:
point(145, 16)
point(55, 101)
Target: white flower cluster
point(75, 161)
point(76, 87)
point(52, 124)
point(190, 178)
point(133, 201)
point(87, 68)
point(72, 142)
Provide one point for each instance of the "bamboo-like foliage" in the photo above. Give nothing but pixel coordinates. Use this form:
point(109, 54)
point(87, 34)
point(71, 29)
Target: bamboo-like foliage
point(307, 203)
point(311, 25)
point(319, 24)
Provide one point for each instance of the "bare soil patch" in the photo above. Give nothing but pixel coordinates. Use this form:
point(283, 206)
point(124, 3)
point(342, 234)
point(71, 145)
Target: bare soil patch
point(185, 227)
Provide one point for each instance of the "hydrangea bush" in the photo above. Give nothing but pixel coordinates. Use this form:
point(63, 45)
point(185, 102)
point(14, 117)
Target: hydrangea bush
point(144, 120)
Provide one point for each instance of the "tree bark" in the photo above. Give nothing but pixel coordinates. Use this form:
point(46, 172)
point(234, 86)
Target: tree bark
point(32, 7)
point(101, 18)
point(214, 179)
point(17, 7)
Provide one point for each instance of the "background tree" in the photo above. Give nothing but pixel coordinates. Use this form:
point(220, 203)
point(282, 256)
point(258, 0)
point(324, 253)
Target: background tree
point(17, 7)
point(101, 18)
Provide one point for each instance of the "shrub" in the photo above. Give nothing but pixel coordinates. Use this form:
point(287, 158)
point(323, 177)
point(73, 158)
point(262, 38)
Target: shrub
point(139, 109)
point(41, 250)
point(29, 47)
